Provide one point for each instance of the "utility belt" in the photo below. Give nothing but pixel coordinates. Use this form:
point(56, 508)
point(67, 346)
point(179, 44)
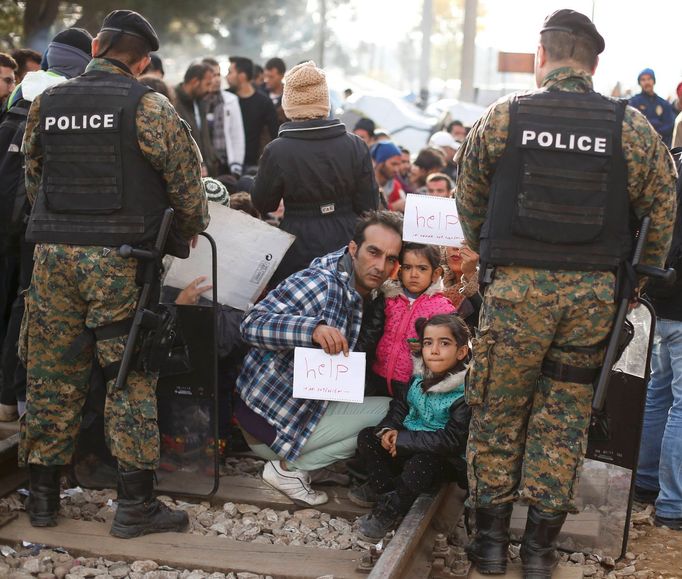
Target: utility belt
point(568, 373)
point(159, 344)
point(151, 331)
point(324, 208)
point(625, 285)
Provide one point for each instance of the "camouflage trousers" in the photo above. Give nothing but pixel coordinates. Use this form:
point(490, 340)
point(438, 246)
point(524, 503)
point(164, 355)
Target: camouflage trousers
point(74, 288)
point(528, 432)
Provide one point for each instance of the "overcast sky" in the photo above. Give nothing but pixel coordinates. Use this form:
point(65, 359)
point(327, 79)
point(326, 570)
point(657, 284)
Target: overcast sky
point(638, 33)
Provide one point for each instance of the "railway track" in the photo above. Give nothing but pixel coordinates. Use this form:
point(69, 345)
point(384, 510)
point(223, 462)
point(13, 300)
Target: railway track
point(418, 549)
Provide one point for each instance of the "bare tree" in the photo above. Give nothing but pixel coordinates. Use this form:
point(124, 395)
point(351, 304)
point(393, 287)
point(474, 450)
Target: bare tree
point(39, 15)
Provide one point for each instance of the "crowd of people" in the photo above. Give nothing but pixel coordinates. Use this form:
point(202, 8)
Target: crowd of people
point(481, 358)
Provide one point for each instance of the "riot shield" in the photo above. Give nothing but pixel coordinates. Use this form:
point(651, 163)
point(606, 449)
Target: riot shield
point(187, 409)
point(606, 484)
point(187, 395)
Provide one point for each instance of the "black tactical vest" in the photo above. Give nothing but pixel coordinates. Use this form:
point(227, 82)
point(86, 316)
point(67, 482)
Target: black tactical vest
point(97, 187)
point(559, 197)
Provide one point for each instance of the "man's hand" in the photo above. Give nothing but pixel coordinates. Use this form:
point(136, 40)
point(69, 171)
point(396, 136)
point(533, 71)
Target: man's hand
point(388, 440)
point(330, 339)
point(190, 295)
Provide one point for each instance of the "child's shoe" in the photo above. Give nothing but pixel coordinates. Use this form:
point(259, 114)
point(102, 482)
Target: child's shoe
point(363, 496)
point(383, 518)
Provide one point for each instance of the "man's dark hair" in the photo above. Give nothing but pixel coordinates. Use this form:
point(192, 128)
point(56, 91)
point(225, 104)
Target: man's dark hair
point(241, 201)
point(7, 61)
point(440, 177)
point(156, 64)
point(23, 56)
point(210, 60)
point(454, 124)
point(243, 64)
point(430, 158)
point(276, 63)
point(257, 70)
point(156, 84)
point(127, 48)
point(389, 219)
point(197, 70)
point(560, 45)
point(404, 151)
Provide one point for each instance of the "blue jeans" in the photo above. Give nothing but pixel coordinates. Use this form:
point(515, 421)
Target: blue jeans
point(660, 453)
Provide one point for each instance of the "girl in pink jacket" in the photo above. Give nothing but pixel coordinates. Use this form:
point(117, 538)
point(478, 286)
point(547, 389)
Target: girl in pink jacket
point(417, 294)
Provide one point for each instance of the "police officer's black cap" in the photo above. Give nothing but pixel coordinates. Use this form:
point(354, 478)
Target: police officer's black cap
point(575, 23)
point(130, 22)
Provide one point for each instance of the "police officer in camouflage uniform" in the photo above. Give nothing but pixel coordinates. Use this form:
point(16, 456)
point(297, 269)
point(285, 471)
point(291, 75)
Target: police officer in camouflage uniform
point(550, 185)
point(105, 156)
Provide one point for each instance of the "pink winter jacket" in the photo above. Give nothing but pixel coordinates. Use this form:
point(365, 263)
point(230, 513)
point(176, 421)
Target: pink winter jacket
point(393, 358)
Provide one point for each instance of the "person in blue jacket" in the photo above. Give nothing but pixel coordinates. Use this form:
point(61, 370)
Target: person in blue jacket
point(658, 111)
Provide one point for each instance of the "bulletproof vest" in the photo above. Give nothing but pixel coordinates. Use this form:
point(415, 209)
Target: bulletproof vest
point(97, 187)
point(559, 197)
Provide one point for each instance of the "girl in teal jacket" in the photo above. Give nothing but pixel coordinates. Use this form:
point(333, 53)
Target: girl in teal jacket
point(422, 440)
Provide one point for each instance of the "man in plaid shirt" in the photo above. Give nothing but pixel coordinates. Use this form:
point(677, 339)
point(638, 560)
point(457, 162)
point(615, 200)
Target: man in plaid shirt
point(322, 306)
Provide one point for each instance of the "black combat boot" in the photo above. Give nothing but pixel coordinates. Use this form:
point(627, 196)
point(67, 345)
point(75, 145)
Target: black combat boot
point(138, 512)
point(43, 502)
point(383, 518)
point(488, 550)
point(538, 548)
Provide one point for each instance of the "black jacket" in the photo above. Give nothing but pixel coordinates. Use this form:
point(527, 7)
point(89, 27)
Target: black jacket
point(14, 206)
point(326, 179)
point(451, 441)
point(667, 298)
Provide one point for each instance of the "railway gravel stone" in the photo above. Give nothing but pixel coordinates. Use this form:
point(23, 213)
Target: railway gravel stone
point(144, 566)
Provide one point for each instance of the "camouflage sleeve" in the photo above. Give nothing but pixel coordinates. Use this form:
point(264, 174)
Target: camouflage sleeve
point(476, 160)
point(168, 146)
point(651, 183)
point(33, 154)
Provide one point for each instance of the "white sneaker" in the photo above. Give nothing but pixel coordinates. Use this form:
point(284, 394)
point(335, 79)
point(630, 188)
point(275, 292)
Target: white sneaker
point(294, 484)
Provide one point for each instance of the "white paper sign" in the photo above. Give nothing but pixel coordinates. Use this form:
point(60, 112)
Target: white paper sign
point(338, 378)
point(249, 251)
point(432, 220)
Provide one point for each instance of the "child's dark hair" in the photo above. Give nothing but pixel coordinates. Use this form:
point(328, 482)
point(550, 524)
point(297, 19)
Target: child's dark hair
point(455, 324)
point(430, 252)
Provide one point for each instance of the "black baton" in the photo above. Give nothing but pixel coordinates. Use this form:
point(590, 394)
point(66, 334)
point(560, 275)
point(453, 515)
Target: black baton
point(151, 259)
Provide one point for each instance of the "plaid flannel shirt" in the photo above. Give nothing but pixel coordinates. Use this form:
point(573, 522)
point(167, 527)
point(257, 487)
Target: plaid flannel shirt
point(286, 318)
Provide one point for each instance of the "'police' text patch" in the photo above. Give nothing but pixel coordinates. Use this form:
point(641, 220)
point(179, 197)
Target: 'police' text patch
point(563, 139)
point(88, 121)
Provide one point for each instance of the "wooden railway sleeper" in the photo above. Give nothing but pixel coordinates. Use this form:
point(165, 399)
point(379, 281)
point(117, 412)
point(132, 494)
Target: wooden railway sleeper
point(6, 518)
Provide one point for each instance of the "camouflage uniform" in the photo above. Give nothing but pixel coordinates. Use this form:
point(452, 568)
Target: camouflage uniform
point(79, 287)
point(528, 432)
